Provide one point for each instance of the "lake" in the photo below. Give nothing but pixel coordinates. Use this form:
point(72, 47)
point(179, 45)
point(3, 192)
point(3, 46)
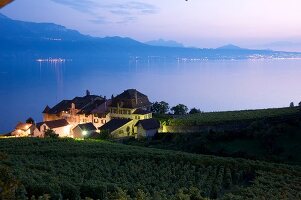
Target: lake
point(27, 86)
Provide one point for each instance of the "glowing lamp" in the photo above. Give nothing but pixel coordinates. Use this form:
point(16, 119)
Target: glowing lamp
point(84, 132)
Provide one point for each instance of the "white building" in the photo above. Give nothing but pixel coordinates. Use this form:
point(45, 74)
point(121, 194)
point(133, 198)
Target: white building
point(60, 127)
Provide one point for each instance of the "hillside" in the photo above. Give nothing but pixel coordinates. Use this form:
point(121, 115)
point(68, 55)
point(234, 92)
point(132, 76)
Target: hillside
point(267, 134)
point(100, 170)
point(216, 118)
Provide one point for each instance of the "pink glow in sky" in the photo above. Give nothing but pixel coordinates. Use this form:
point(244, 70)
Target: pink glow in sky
point(201, 23)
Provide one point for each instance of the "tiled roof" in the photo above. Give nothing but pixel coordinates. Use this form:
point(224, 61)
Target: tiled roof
point(56, 123)
point(46, 109)
point(114, 124)
point(131, 99)
point(140, 111)
point(85, 102)
point(81, 102)
point(149, 124)
point(103, 108)
point(87, 127)
point(62, 106)
point(91, 106)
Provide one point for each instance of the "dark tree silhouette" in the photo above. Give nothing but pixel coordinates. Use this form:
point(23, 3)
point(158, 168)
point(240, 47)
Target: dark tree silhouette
point(51, 133)
point(160, 107)
point(194, 111)
point(179, 109)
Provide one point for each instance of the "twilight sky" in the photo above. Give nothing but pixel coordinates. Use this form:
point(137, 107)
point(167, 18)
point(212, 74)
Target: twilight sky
point(199, 23)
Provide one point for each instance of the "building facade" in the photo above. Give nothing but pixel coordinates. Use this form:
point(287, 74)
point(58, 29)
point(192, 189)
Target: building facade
point(118, 115)
point(80, 110)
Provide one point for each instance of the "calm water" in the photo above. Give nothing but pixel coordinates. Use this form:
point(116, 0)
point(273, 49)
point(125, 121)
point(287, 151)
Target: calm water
point(27, 86)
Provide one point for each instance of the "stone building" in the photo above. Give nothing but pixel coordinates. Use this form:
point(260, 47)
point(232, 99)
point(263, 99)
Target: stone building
point(86, 109)
point(127, 109)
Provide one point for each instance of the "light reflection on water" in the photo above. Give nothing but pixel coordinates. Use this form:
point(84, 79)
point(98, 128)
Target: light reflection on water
point(26, 86)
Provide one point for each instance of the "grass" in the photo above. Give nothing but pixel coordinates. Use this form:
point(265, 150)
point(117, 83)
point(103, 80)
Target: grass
point(214, 118)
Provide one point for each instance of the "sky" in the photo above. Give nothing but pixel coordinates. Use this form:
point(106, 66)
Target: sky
point(198, 23)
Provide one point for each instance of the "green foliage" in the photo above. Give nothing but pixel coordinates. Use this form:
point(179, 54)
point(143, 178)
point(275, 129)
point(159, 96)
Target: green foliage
point(104, 134)
point(214, 118)
point(261, 140)
point(10, 188)
point(79, 169)
point(179, 109)
point(160, 107)
point(51, 133)
point(194, 111)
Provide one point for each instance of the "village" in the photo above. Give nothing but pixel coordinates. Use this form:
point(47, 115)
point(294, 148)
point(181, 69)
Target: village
point(126, 115)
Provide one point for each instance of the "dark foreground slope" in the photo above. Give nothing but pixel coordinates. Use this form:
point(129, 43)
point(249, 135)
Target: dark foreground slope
point(272, 135)
point(100, 170)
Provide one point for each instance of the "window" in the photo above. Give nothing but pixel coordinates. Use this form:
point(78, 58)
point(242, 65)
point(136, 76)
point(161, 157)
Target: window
point(95, 120)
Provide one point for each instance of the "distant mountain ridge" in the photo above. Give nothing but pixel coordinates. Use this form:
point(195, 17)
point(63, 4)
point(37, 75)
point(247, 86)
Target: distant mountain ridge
point(229, 47)
point(164, 43)
point(52, 40)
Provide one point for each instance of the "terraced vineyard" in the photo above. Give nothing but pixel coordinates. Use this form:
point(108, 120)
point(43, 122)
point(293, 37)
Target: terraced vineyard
point(213, 118)
point(73, 169)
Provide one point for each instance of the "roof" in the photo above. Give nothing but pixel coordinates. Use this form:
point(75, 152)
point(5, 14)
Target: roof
point(55, 123)
point(140, 111)
point(114, 124)
point(79, 102)
point(87, 127)
point(131, 99)
point(23, 126)
point(62, 106)
point(39, 124)
point(46, 109)
point(91, 106)
point(103, 108)
point(149, 124)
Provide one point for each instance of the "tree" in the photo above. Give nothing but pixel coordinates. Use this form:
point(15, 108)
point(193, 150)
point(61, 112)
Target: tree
point(292, 104)
point(30, 120)
point(51, 133)
point(160, 107)
point(179, 109)
point(194, 111)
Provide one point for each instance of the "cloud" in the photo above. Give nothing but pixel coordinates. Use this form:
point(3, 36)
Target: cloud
point(124, 12)
point(120, 12)
point(126, 20)
point(135, 7)
point(99, 20)
point(86, 6)
point(131, 10)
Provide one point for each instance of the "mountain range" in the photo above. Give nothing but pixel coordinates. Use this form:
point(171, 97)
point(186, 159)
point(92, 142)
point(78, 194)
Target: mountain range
point(51, 40)
point(164, 43)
